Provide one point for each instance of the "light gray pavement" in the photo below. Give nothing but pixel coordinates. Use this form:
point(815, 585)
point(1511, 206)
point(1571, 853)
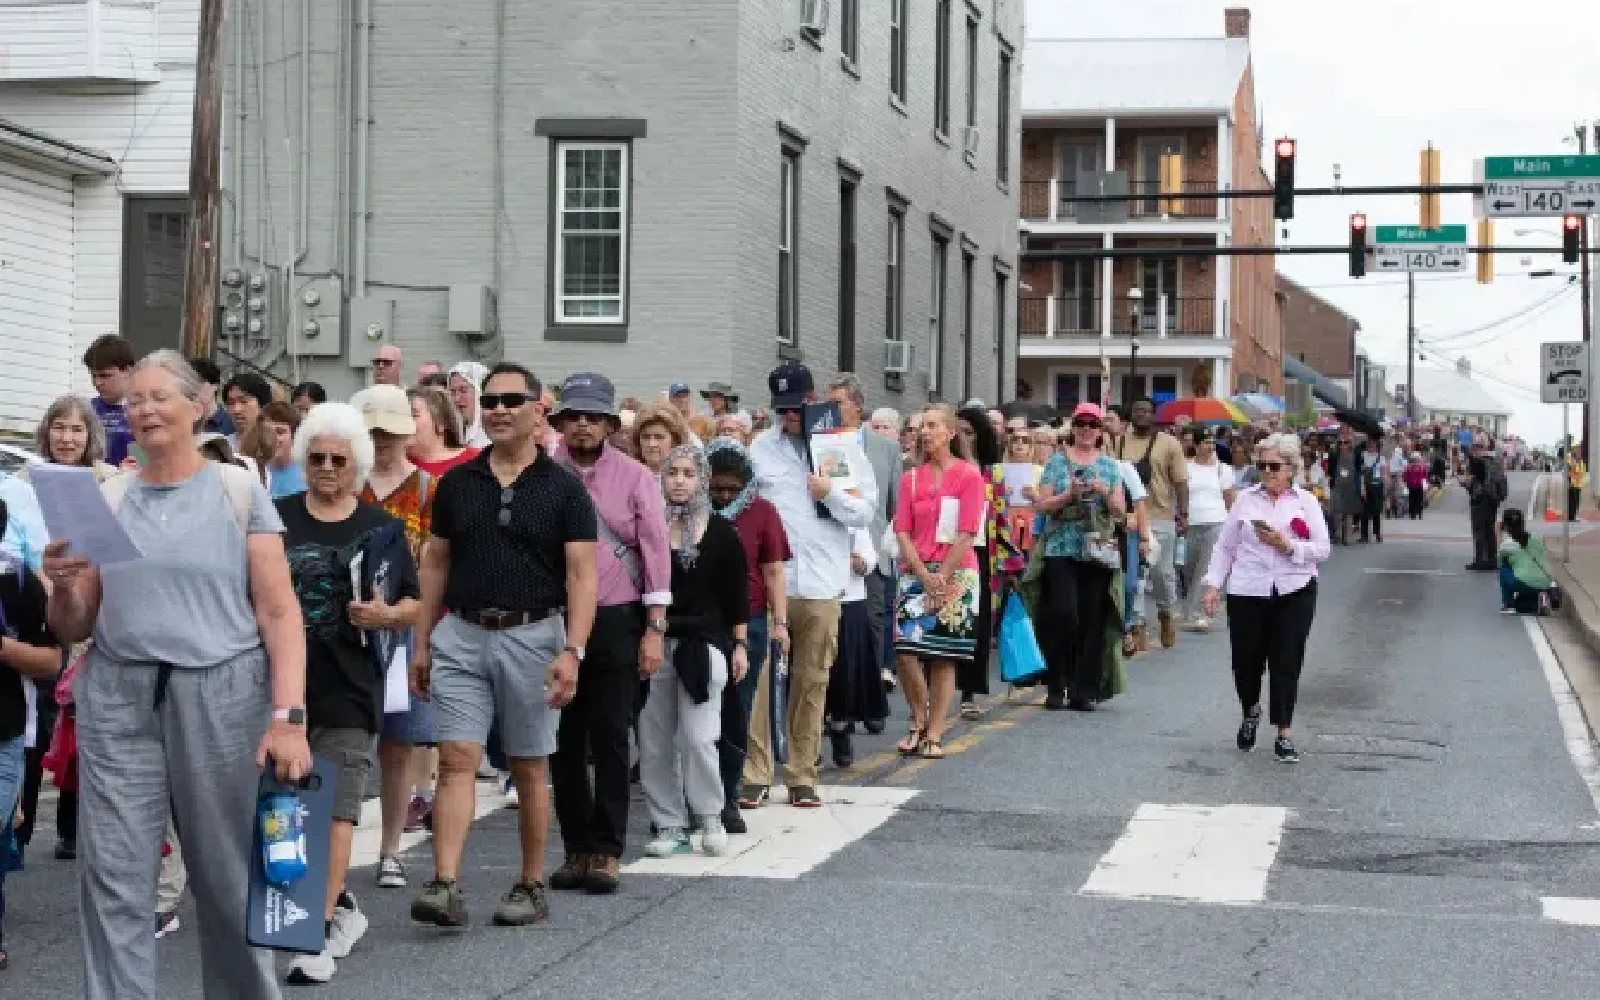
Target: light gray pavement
point(1436, 804)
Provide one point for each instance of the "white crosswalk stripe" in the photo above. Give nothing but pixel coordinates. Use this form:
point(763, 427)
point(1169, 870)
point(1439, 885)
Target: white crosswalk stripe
point(1205, 854)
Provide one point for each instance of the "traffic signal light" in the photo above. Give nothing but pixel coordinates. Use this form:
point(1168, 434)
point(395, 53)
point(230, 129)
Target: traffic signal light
point(1283, 180)
point(1429, 216)
point(1486, 258)
point(1358, 245)
point(1571, 231)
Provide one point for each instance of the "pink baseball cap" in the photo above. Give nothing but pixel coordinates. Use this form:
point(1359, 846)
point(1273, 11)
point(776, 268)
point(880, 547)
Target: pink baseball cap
point(1088, 410)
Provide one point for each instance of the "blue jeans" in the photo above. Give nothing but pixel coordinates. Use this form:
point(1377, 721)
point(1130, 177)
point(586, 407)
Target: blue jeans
point(12, 769)
point(1517, 595)
point(736, 702)
point(1130, 584)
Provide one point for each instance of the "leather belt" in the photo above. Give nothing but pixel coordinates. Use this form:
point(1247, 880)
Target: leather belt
point(496, 620)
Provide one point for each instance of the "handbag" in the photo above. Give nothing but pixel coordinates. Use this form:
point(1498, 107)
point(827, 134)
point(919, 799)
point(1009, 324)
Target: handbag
point(1101, 549)
point(1021, 662)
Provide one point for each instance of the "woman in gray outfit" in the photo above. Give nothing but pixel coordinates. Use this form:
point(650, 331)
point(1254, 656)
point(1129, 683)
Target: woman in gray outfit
point(196, 677)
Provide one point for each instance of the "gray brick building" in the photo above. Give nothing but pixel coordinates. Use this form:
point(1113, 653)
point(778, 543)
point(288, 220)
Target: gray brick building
point(738, 181)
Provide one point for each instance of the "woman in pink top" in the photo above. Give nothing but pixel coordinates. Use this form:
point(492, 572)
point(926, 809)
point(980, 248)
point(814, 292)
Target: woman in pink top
point(1267, 559)
point(939, 513)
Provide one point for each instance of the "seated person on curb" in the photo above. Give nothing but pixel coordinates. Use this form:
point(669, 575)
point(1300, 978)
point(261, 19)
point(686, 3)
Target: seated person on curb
point(1526, 584)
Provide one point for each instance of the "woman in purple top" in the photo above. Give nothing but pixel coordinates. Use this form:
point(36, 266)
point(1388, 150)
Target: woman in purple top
point(1267, 559)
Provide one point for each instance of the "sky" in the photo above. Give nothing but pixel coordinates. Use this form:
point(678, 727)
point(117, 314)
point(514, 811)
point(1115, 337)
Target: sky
point(1366, 84)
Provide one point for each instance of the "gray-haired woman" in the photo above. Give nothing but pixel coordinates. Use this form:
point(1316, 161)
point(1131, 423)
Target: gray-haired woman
point(71, 434)
point(195, 679)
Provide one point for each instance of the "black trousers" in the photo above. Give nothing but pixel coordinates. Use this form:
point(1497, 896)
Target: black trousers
point(1574, 499)
point(594, 815)
point(1268, 635)
point(1415, 502)
point(1483, 516)
point(1075, 599)
point(33, 777)
point(1372, 513)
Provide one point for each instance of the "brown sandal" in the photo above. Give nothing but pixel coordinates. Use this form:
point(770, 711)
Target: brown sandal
point(909, 746)
point(931, 750)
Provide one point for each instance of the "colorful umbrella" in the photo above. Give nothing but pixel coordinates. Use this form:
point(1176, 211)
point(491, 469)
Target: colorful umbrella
point(1201, 410)
point(1260, 402)
point(1327, 425)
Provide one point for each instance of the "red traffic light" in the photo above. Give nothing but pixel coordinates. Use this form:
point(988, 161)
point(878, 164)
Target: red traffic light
point(1572, 222)
point(1285, 148)
point(1358, 222)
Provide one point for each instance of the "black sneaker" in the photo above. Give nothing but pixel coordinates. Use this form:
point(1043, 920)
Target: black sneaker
point(1055, 701)
point(1246, 738)
point(1283, 749)
point(733, 820)
point(442, 904)
point(844, 752)
point(66, 849)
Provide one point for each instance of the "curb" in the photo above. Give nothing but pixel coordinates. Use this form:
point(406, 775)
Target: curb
point(1582, 609)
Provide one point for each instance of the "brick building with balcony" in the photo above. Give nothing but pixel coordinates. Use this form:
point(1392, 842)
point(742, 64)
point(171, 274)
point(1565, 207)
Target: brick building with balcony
point(1178, 117)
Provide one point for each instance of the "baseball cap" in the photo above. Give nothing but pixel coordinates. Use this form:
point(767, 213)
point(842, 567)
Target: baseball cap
point(385, 408)
point(678, 389)
point(1089, 410)
point(790, 384)
point(588, 392)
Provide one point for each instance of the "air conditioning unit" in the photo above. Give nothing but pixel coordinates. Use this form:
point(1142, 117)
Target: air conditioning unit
point(896, 357)
point(969, 139)
point(814, 17)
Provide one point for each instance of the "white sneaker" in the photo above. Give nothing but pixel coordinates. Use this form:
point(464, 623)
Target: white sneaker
point(312, 968)
point(713, 837)
point(391, 873)
point(670, 842)
point(508, 787)
point(348, 927)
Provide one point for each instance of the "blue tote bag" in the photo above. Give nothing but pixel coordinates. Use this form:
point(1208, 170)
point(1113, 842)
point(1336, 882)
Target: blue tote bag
point(1021, 663)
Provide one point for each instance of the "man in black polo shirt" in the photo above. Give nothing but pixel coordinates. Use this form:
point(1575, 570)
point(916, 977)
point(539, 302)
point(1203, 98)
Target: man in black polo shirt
point(511, 547)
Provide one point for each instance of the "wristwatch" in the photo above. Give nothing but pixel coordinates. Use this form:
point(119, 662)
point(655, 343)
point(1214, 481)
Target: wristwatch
point(657, 625)
point(293, 716)
point(741, 644)
point(576, 651)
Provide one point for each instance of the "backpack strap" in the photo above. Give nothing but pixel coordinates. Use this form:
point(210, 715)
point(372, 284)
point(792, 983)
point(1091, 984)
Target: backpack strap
point(237, 482)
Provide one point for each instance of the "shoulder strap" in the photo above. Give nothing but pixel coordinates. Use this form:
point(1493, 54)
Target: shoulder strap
point(115, 489)
point(625, 555)
point(239, 484)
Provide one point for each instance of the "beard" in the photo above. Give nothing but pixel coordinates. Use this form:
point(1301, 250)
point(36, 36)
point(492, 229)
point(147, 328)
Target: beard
point(585, 453)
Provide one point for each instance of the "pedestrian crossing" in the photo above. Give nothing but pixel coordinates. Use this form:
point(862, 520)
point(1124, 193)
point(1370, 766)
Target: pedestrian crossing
point(1206, 854)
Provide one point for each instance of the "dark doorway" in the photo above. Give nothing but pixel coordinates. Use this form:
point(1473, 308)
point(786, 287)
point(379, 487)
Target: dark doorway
point(153, 231)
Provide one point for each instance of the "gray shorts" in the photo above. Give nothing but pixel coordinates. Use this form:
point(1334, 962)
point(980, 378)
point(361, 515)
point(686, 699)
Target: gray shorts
point(351, 752)
point(481, 677)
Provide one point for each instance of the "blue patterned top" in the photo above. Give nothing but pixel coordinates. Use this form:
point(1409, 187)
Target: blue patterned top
point(1067, 539)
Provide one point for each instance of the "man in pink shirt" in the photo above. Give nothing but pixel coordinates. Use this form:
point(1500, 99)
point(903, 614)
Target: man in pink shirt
point(632, 563)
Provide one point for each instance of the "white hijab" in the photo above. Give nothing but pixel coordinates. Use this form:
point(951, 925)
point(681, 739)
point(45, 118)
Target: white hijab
point(474, 372)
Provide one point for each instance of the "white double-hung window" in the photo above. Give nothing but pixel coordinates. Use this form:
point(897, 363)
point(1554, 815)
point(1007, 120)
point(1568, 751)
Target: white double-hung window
point(592, 232)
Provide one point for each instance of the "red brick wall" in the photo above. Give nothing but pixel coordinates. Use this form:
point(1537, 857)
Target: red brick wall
point(1316, 332)
point(1253, 312)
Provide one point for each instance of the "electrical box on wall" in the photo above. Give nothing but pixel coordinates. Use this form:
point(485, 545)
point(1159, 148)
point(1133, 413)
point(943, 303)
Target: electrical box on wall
point(471, 312)
point(371, 327)
point(317, 307)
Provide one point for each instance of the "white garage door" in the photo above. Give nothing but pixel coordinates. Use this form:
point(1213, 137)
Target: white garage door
point(36, 277)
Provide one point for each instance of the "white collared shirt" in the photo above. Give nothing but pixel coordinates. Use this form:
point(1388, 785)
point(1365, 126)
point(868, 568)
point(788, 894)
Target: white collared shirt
point(820, 567)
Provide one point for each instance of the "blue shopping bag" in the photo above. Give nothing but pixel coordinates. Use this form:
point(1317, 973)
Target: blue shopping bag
point(1021, 663)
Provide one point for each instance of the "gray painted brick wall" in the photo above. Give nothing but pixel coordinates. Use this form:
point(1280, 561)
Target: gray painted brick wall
point(713, 78)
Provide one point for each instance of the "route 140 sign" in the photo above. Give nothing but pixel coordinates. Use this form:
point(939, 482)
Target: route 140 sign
point(1564, 373)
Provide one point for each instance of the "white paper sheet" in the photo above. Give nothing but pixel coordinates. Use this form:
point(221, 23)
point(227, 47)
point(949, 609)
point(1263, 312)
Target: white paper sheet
point(355, 583)
point(76, 512)
point(396, 682)
point(1019, 475)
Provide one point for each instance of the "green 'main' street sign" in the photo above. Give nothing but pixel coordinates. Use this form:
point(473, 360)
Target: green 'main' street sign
point(1416, 234)
point(1512, 168)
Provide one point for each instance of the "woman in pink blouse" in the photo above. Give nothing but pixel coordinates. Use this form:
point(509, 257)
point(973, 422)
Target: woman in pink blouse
point(938, 514)
point(1267, 559)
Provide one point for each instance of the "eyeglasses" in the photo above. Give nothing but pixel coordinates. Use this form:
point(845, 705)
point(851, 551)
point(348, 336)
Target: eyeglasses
point(510, 400)
point(319, 459)
point(1087, 423)
point(507, 494)
point(586, 418)
point(1269, 466)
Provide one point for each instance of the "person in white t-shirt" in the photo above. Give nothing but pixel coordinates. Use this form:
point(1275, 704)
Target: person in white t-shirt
point(1211, 492)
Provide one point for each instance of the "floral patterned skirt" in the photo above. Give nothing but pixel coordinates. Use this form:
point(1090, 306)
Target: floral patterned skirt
point(948, 633)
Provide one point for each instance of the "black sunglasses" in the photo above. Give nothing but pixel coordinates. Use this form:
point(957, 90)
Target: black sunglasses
point(1269, 466)
point(318, 459)
point(510, 400)
point(507, 494)
point(1086, 423)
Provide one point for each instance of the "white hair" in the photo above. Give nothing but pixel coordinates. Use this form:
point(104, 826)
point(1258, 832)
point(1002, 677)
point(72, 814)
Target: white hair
point(1288, 447)
point(741, 417)
point(337, 420)
point(885, 415)
point(189, 382)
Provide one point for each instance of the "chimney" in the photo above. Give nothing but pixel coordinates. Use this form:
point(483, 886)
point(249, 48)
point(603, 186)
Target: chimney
point(1236, 22)
point(1464, 367)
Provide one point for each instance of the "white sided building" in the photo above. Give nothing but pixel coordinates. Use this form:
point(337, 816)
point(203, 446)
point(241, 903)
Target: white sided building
point(95, 104)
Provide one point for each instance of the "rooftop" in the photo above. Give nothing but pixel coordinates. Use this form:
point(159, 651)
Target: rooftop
point(1439, 389)
point(1108, 76)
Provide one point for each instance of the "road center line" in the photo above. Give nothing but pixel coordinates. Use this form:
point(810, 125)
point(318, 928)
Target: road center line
point(1574, 728)
point(1207, 854)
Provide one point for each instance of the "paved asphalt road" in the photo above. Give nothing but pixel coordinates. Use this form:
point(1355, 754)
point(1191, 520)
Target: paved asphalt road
point(1409, 854)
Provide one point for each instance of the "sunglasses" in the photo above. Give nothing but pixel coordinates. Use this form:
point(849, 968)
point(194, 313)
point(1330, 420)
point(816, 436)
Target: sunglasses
point(321, 459)
point(1087, 423)
point(1269, 466)
point(507, 494)
point(510, 400)
point(384, 361)
point(586, 418)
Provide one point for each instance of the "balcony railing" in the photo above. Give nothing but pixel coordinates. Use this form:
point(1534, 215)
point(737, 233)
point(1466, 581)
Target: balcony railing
point(1079, 316)
point(1048, 201)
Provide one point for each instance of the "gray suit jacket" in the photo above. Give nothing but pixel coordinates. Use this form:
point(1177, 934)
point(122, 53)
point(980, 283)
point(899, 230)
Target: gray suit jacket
point(883, 454)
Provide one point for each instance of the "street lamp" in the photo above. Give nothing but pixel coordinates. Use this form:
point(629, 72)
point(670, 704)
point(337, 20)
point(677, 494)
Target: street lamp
point(1135, 298)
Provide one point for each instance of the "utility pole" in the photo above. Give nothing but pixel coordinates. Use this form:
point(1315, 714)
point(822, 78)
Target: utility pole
point(1587, 306)
point(205, 188)
point(1411, 346)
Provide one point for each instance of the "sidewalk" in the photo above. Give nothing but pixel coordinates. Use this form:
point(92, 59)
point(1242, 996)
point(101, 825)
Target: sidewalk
point(1580, 582)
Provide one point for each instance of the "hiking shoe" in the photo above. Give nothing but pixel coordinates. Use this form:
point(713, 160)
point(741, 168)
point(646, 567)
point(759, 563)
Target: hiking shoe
point(308, 970)
point(804, 797)
point(605, 875)
point(754, 796)
point(442, 904)
point(713, 838)
point(571, 874)
point(668, 842)
point(166, 923)
point(1283, 749)
point(1246, 738)
point(733, 820)
point(391, 873)
point(526, 903)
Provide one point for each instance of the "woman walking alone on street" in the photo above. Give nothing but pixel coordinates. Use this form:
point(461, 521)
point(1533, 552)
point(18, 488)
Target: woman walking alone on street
point(1266, 559)
point(1080, 495)
point(940, 512)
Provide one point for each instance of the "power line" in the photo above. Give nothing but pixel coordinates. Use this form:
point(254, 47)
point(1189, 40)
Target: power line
point(1423, 279)
point(1519, 313)
point(1512, 324)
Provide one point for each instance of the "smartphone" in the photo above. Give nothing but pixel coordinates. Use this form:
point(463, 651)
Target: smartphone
point(138, 455)
point(1261, 525)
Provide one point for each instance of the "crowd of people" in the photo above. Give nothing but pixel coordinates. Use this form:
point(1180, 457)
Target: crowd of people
point(592, 592)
